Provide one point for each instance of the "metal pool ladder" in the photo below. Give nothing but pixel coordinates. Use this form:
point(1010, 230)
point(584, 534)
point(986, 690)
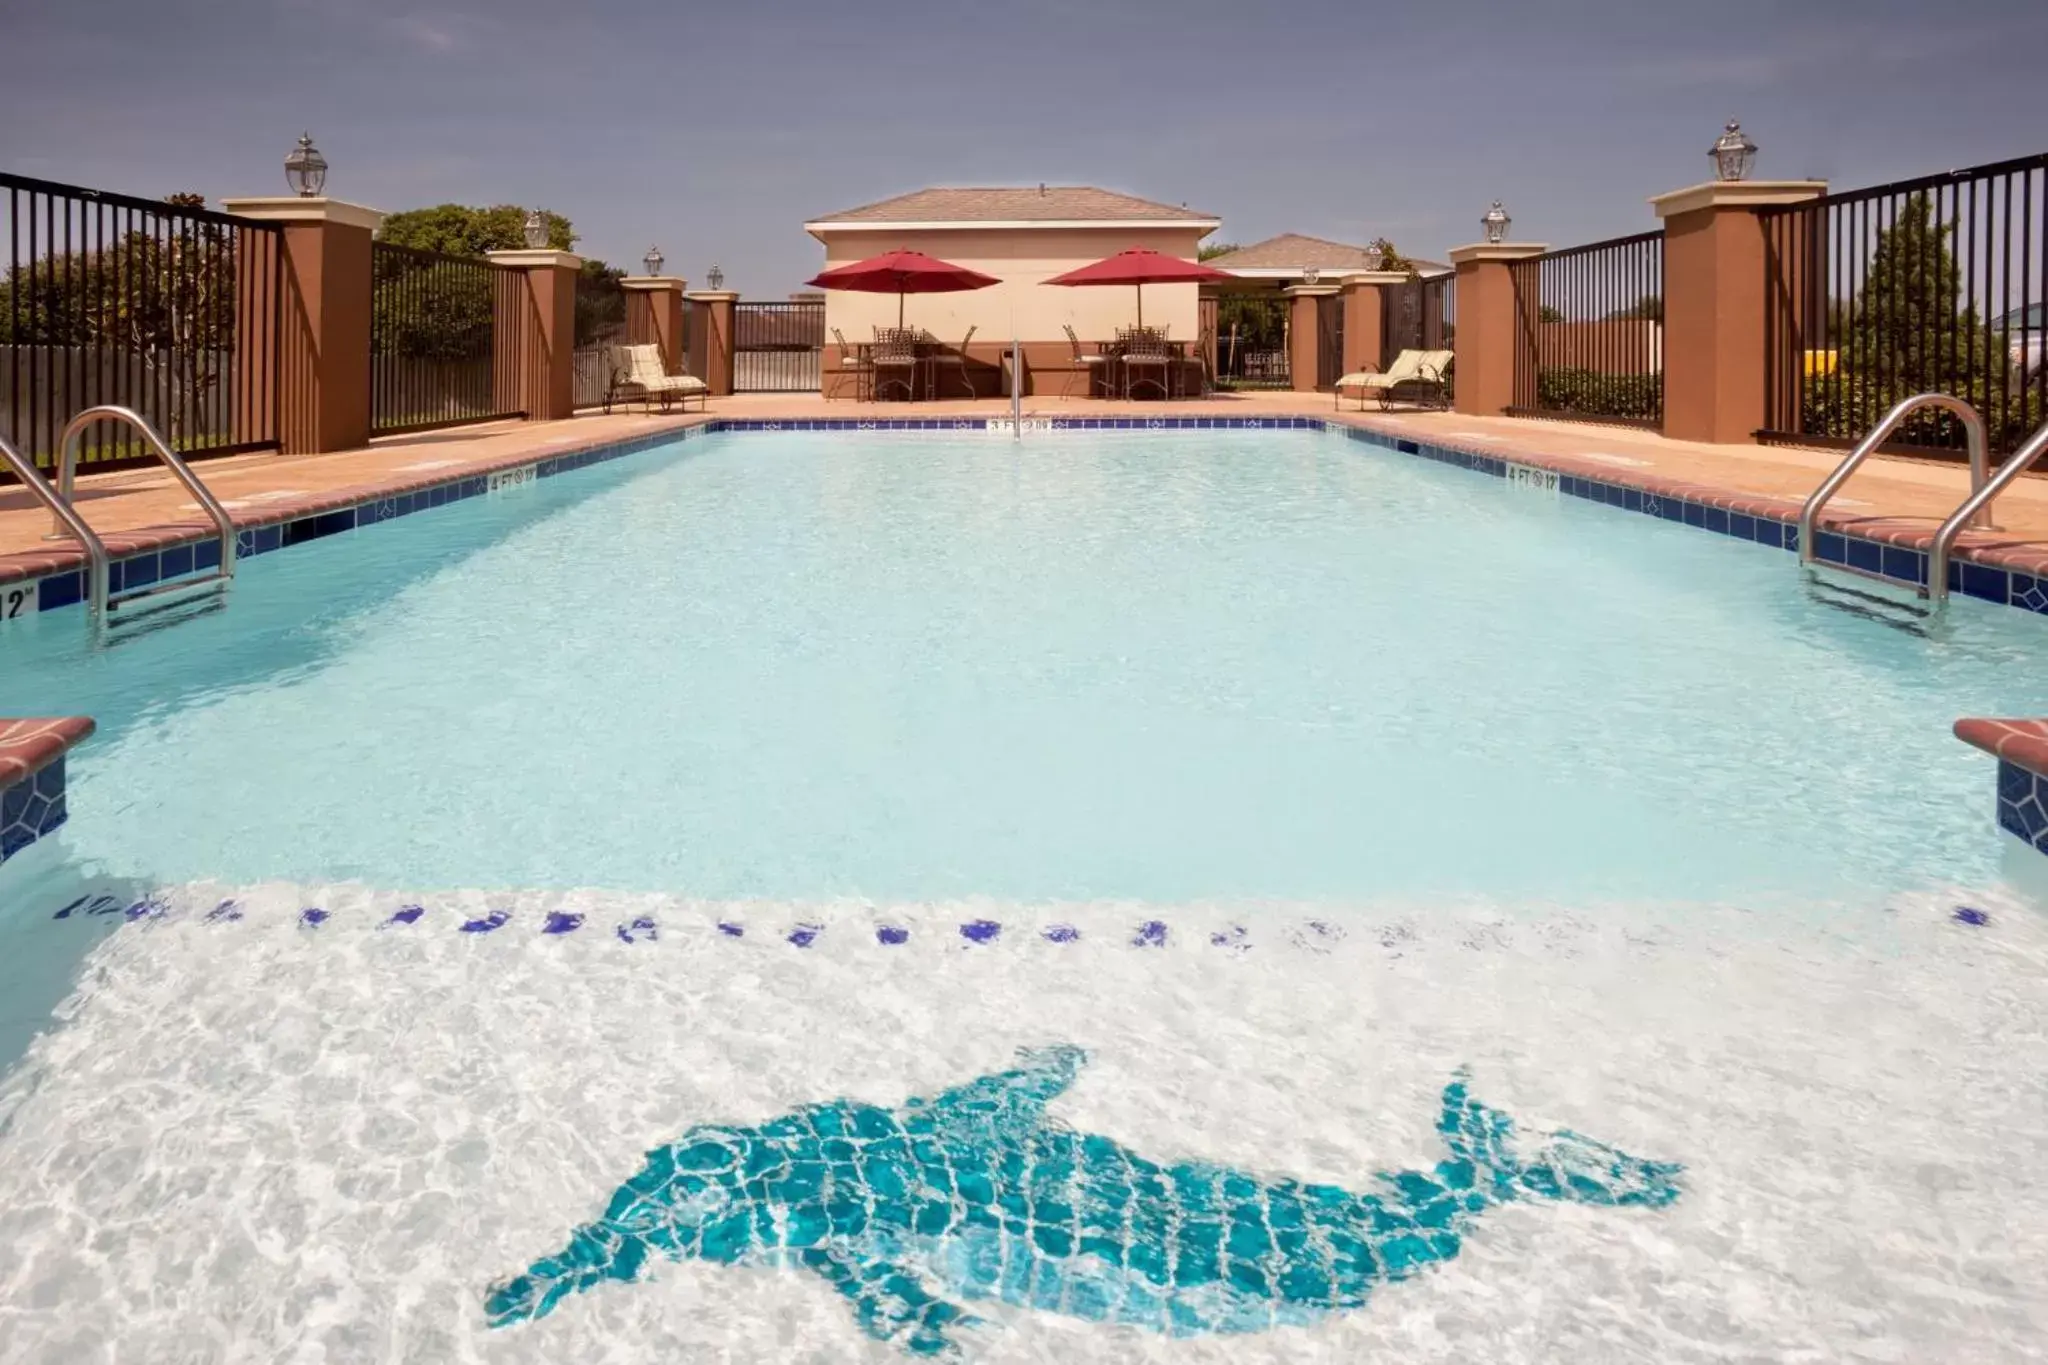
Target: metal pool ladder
point(100, 603)
point(1975, 511)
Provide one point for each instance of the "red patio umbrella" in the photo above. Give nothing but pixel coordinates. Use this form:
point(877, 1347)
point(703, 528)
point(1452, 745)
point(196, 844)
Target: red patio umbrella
point(1141, 266)
point(904, 272)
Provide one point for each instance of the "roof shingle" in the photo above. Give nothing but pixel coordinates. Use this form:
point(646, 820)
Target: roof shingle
point(1294, 250)
point(1030, 203)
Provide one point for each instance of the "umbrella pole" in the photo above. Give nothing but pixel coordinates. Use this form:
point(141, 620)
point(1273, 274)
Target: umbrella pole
point(899, 310)
point(1141, 305)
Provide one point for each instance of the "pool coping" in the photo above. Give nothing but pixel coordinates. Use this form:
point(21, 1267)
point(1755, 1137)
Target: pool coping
point(1981, 567)
point(2004, 574)
point(32, 783)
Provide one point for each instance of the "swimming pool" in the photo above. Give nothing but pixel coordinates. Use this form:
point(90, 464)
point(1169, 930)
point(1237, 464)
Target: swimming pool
point(1262, 780)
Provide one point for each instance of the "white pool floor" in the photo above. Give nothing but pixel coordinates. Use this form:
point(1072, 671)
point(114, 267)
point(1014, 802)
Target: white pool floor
point(1859, 1101)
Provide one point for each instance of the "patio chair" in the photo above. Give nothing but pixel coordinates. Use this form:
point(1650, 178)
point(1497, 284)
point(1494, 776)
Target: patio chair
point(895, 361)
point(1085, 366)
point(942, 359)
point(852, 365)
point(1417, 376)
point(638, 372)
point(1145, 350)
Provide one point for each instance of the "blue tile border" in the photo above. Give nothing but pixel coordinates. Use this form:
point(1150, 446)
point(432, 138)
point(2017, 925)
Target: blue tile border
point(1987, 582)
point(1966, 577)
point(32, 808)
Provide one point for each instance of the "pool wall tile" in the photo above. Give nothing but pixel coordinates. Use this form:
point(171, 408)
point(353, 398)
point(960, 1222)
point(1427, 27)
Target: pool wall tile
point(32, 777)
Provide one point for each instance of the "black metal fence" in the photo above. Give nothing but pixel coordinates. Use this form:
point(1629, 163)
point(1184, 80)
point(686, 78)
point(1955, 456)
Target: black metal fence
point(1935, 284)
point(600, 325)
point(159, 305)
point(437, 358)
point(1253, 341)
point(777, 347)
point(1329, 340)
point(1419, 315)
point(1589, 332)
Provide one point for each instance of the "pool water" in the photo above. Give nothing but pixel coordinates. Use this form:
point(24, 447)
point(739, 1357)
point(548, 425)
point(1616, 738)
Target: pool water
point(464, 861)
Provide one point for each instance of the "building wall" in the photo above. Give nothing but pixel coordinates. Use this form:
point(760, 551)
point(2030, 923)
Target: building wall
point(1022, 305)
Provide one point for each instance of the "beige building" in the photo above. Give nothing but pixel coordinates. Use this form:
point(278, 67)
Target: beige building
point(1292, 258)
point(1023, 237)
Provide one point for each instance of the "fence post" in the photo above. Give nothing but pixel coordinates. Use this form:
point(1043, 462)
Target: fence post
point(536, 332)
point(654, 314)
point(1714, 305)
point(717, 361)
point(321, 361)
point(1367, 296)
point(1488, 324)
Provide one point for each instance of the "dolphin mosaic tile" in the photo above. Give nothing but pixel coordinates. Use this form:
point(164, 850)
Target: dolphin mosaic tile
point(912, 1213)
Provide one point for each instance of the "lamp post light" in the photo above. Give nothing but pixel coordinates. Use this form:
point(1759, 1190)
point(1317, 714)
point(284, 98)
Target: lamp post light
point(536, 230)
point(305, 170)
point(715, 278)
point(1733, 153)
point(653, 261)
point(1374, 258)
point(1310, 275)
point(1496, 223)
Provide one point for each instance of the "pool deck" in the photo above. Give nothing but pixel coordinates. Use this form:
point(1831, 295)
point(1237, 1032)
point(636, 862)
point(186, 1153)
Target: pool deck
point(1894, 500)
point(1899, 500)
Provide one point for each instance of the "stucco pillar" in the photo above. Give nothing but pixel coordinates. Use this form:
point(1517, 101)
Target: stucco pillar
point(1367, 296)
point(717, 359)
point(1487, 324)
point(536, 333)
point(320, 358)
point(1303, 333)
point(654, 314)
point(1715, 282)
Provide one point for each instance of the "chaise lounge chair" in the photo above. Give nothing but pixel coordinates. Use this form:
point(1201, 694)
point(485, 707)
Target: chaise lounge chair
point(638, 372)
point(1417, 376)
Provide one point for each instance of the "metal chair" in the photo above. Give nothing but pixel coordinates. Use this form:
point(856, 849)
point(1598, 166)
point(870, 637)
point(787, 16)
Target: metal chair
point(1145, 350)
point(942, 359)
point(1085, 366)
point(851, 364)
point(895, 361)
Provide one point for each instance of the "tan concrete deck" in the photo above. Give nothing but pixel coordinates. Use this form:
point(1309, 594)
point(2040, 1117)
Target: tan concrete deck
point(1894, 499)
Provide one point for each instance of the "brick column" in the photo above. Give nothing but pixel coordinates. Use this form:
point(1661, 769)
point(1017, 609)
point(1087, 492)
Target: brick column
point(1487, 324)
point(1715, 278)
point(654, 314)
point(1367, 296)
point(1302, 332)
point(717, 359)
point(536, 332)
point(320, 357)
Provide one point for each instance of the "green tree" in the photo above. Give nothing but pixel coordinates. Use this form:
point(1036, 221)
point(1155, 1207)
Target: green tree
point(164, 295)
point(461, 230)
point(1390, 256)
point(1215, 249)
point(1650, 307)
point(1910, 329)
point(1546, 313)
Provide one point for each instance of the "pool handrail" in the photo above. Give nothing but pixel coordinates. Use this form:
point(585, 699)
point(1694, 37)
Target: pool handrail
point(2015, 465)
point(67, 477)
point(66, 516)
point(1980, 463)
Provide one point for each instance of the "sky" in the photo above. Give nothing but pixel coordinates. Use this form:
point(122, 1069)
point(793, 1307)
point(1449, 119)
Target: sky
point(715, 131)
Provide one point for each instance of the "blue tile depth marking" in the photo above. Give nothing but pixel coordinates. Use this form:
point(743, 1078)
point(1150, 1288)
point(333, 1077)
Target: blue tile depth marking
point(911, 1212)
